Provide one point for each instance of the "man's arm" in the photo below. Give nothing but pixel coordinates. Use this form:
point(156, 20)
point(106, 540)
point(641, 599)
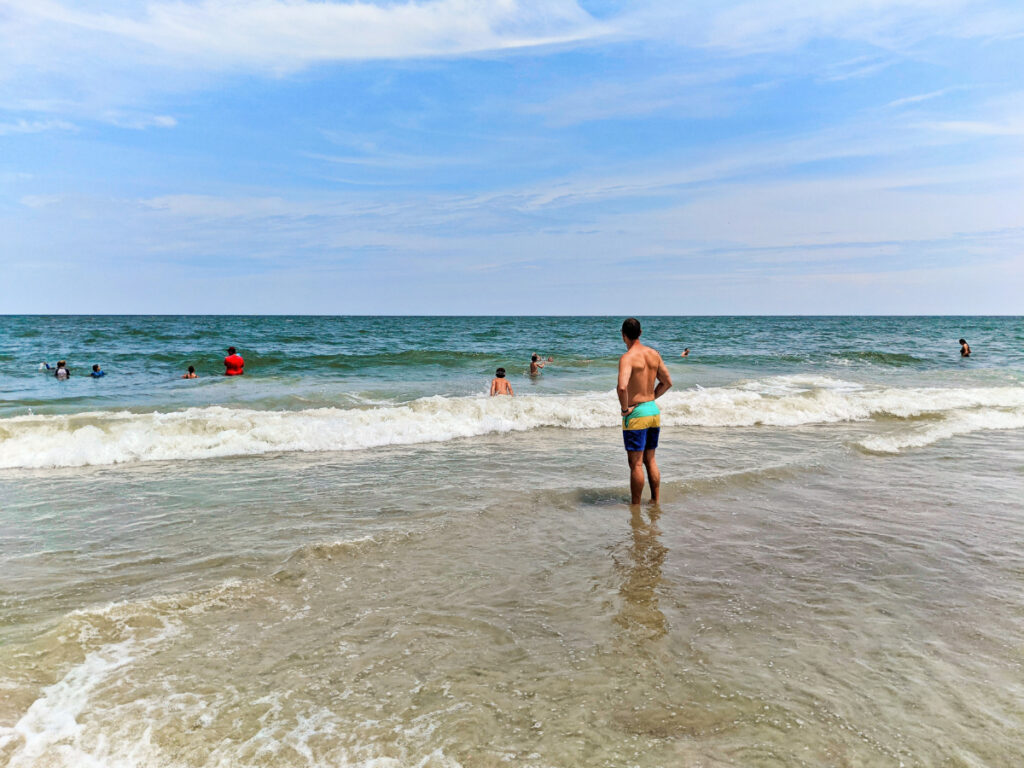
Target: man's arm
point(622, 390)
point(664, 379)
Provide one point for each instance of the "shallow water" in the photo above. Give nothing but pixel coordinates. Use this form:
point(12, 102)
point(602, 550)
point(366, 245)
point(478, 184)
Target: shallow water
point(832, 578)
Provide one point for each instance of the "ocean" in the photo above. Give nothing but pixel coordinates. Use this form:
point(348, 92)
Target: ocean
point(351, 556)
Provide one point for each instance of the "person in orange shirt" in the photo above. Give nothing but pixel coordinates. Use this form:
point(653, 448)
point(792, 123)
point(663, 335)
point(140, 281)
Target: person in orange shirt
point(234, 365)
point(500, 385)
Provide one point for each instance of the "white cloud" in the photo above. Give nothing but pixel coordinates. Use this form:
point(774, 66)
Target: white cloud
point(34, 126)
point(919, 97)
point(977, 128)
point(752, 26)
point(283, 35)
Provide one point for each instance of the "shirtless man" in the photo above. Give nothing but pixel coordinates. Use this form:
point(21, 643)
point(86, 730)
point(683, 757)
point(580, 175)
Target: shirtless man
point(641, 419)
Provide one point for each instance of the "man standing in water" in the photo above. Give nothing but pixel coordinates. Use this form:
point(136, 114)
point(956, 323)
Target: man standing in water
point(641, 419)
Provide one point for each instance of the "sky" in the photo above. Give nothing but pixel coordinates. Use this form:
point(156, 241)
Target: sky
point(512, 157)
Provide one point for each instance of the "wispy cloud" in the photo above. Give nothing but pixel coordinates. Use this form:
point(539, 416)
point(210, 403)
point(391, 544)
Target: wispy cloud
point(977, 128)
point(764, 26)
point(137, 122)
point(283, 35)
point(35, 126)
point(920, 97)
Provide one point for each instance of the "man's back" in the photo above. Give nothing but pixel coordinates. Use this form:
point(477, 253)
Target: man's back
point(643, 365)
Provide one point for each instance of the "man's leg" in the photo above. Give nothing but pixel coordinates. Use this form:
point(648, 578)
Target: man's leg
point(636, 474)
point(653, 475)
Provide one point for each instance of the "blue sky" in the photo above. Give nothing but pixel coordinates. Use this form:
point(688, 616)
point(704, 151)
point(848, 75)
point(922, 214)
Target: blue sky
point(512, 156)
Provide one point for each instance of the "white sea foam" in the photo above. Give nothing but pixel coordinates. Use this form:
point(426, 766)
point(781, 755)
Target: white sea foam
point(52, 719)
point(112, 638)
point(98, 438)
point(956, 424)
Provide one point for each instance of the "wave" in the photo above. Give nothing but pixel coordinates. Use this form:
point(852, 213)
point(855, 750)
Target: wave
point(957, 424)
point(895, 359)
point(103, 438)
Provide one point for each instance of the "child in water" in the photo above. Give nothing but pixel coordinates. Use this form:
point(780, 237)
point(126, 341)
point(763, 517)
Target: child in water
point(500, 385)
point(96, 372)
point(191, 373)
point(62, 373)
point(965, 348)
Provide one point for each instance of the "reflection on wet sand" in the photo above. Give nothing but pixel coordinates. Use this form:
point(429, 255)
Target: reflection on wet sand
point(640, 614)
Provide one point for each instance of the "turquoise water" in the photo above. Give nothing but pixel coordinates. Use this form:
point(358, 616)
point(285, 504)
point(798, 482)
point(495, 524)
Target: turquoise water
point(295, 362)
point(353, 556)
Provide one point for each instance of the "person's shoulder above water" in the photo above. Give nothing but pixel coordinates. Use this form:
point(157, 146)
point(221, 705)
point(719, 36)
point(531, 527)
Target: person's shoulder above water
point(500, 385)
point(97, 372)
point(191, 373)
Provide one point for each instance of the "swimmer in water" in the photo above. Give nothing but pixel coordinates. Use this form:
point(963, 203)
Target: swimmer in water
point(500, 385)
point(536, 364)
point(191, 373)
point(97, 373)
point(965, 348)
point(234, 365)
point(686, 352)
point(62, 373)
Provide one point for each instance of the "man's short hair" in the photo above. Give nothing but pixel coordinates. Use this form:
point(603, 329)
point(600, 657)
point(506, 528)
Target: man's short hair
point(231, 350)
point(631, 328)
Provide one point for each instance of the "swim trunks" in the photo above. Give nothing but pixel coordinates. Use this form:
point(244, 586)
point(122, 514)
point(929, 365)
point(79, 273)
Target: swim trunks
point(641, 428)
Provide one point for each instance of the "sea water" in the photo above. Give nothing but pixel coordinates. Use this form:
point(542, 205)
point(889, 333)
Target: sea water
point(353, 556)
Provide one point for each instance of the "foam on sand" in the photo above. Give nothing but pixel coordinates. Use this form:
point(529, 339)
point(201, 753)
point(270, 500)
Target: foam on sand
point(99, 438)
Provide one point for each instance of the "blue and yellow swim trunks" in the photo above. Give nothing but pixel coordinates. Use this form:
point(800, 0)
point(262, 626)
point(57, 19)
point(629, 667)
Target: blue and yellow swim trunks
point(641, 428)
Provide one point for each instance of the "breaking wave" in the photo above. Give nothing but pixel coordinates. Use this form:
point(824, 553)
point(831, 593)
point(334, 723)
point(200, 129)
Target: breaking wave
point(101, 438)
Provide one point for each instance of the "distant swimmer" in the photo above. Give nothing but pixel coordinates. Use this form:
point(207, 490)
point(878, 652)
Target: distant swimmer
point(62, 373)
point(191, 373)
point(536, 364)
point(97, 373)
point(686, 352)
point(965, 348)
point(500, 385)
point(639, 368)
point(234, 365)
